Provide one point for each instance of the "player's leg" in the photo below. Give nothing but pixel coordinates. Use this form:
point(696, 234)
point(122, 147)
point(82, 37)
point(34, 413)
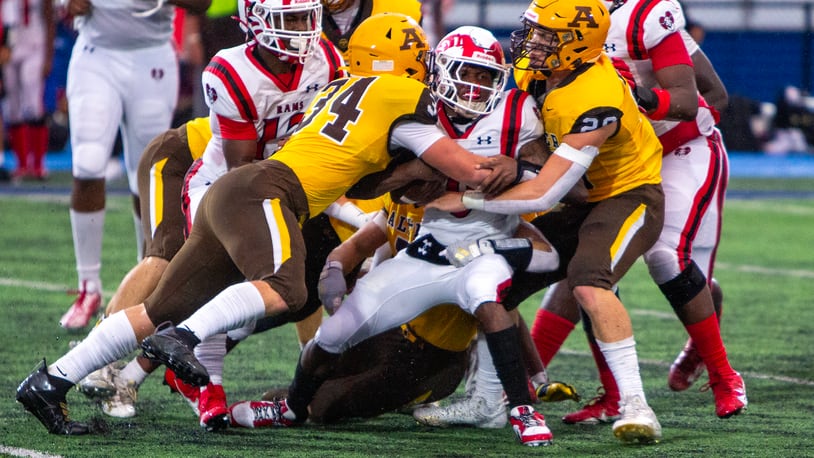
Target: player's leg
point(32, 104)
point(95, 111)
point(150, 97)
point(592, 273)
point(681, 264)
point(160, 175)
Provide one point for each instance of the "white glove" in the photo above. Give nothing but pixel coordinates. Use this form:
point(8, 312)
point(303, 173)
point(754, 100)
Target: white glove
point(332, 286)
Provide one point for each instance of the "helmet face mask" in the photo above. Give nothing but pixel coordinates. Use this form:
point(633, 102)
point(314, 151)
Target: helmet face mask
point(288, 28)
point(560, 35)
point(469, 71)
point(388, 43)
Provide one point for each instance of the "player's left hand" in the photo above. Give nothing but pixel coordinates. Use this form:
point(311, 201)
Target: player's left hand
point(449, 202)
point(504, 174)
point(332, 286)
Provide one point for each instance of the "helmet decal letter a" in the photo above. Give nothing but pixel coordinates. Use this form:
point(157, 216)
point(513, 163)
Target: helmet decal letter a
point(583, 15)
point(410, 37)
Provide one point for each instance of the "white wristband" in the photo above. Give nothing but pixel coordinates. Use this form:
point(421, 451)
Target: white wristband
point(473, 200)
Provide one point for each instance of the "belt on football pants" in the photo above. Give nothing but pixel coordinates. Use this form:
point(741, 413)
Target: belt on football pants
point(428, 249)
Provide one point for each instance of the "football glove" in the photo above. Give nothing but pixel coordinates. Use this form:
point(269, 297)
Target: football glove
point(332, 286)
point(557, 392)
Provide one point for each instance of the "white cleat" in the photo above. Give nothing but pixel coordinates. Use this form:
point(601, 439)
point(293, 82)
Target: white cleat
point(472, 411)
point(637, 422)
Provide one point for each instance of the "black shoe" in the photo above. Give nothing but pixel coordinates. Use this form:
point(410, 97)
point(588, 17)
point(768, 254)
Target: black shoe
point(44, 396)
point(171, 347)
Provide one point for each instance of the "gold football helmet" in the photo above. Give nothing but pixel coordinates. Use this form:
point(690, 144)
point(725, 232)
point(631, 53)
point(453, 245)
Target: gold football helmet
point(389, 43)
point(560, 35)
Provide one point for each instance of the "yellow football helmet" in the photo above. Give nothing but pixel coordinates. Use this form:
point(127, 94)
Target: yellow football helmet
point(389, 43)
point(560, 35)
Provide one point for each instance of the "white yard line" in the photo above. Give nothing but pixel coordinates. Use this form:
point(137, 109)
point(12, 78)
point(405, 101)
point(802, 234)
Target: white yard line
point(14, 451)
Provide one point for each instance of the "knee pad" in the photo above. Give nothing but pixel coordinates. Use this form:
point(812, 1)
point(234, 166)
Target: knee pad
point(662, 263)
point(684, 287)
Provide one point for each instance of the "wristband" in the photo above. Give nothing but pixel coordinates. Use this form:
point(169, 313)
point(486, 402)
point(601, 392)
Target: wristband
point(663, 105)
point(473, 200)
point(329, 264)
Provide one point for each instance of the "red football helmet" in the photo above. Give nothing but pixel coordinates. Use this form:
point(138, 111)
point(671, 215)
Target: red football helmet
point(456, 53)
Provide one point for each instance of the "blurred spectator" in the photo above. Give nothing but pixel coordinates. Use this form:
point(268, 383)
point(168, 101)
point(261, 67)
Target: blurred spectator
point(737, 124)
point(793, 124)
point(434, 14)
point(30, 29)
point(5, 53)
point(56, 103)
point(696, 31)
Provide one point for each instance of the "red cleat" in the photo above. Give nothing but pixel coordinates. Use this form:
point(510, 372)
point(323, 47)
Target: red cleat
point(686, 369)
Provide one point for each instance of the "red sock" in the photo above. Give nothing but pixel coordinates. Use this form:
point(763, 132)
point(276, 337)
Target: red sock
point(706, 335)
point(605, 374)
point(548, 332)
point(18, 137)
point(39, 146)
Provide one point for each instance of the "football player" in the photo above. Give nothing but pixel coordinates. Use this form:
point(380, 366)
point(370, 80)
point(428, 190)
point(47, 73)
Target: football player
point(658, 57)
point(248, 224)
point(123, 75)
point(594, 128)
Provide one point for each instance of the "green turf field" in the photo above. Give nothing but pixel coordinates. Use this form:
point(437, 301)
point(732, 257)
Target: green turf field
point(766, 268)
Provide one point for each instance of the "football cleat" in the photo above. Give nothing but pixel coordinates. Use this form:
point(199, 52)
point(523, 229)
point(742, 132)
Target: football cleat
point(260, 414)
point(167, 346)
point(637, 422)
point(730, 395)
point(530, 427)
point(100, 383)
point(601, 409)
point(686, 369)
point(123, 403)
point(472, 411)
point(82, 310)
point(44, 396)
point(188, 392)
point(212, 406)
point(557, 392)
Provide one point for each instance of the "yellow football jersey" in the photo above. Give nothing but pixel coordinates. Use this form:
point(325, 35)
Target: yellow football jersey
point(198, 135)
point(345, 132)
point(590, 99)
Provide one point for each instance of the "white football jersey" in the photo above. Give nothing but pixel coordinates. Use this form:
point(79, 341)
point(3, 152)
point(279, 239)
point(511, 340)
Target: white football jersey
point(118, 24)
point(654, 21)
point(512, 124)
point(238, 87)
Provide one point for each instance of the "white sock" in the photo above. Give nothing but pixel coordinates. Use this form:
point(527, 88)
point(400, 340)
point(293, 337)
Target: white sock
point(133, 372)
point(241, 333)
point(487, 382)
point(211, 352)
point(87, 230)
point(235, 307)
point(111, 340)
point(624, 364)
point(139, 238)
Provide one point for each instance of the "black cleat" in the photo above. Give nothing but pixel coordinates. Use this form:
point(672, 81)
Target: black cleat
point(44, 396)
point(169, 347)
